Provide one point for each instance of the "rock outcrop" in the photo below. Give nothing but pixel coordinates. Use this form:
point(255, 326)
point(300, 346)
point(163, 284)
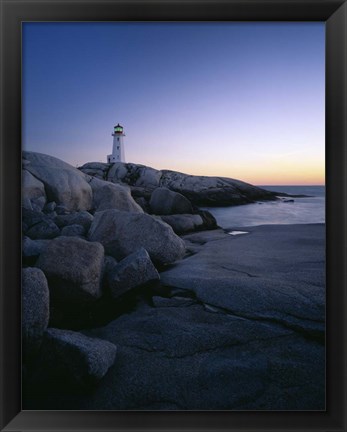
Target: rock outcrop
point(200, 190)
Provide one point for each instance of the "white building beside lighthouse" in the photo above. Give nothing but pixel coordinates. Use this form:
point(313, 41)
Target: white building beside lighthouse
point(118, 145)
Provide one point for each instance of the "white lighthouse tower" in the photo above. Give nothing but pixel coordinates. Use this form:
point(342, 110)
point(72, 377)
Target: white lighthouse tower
point(118, 145)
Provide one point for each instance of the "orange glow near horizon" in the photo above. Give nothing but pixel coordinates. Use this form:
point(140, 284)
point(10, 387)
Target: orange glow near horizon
point(273, 171)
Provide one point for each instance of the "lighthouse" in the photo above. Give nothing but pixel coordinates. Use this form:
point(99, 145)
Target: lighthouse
point(118, 145)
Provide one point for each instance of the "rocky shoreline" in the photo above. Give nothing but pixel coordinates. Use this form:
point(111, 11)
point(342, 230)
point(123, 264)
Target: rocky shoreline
point(133, 298)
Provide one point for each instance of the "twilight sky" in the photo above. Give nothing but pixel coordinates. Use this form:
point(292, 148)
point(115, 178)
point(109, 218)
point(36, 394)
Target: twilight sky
point(241, 100)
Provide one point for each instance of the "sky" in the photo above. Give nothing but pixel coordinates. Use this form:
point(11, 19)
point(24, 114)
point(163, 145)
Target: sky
point(240, 100)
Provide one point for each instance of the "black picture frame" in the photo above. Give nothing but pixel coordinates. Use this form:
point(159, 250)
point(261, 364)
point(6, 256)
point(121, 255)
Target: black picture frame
point(334, 14)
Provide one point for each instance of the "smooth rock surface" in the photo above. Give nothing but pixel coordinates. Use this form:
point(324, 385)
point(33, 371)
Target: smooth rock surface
point(64, 184)
point(35, 310)
point(73, 267)
point(33, 192)
point(260, 275)
point(133, 271)
point(123, 233)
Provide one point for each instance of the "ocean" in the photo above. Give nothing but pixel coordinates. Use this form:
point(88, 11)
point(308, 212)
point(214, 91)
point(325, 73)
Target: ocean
point(301, 211)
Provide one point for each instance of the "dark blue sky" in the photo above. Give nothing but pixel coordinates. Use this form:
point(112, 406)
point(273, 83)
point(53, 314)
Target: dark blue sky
point(244, 100)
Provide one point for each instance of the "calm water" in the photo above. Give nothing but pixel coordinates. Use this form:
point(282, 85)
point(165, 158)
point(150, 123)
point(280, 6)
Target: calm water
point(301, 211)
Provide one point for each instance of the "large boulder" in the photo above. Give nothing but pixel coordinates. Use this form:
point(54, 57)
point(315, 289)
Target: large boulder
point(108, 195)
point(166, 202)
point(35, 310)
point(133, 271)
point(64, 184)
point(33, 192)
point(123, 233)
point(75, 358)
point(73, 267)
point(182, 223)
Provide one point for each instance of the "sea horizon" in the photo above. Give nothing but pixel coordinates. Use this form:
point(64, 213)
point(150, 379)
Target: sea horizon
point(287, 210)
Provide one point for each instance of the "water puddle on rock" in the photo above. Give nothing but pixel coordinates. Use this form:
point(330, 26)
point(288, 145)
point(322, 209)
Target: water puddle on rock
point(237, 232)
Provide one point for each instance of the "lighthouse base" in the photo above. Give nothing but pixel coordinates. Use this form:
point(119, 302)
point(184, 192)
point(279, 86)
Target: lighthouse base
point(113, 159)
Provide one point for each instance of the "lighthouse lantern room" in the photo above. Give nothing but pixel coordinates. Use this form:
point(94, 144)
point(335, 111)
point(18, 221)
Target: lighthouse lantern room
point(118, 145)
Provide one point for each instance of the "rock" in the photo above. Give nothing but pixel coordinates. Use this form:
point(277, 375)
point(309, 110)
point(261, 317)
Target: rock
point(76, 358)
point(213, 191)
point(43, 230)
point(259, 275)
point(143, 203)
point(63, 183)
point(208, 219)
point(135, 175)
point(37, 225)
point(33, 192)
point(35, 310)
point(96, 169)
point(133, 271)
point(200, 190)
point(180, 356)
point(73, 231)
point(73, 268)
point(49, 207)
point(33, 248)
point(83, 218)
point(184, 222)
point(62, 210)
point(165, 202)
point(123, 233)
point(108, 195)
